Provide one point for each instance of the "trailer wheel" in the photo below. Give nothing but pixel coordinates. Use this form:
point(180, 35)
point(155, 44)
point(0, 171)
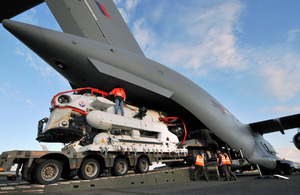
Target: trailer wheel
point(11, 178)
point(89, 169)
point(142, 165)
point(48, 171)
point(120, 167)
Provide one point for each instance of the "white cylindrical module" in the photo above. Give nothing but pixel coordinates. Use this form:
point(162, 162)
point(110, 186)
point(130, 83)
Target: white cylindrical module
point(105, 121)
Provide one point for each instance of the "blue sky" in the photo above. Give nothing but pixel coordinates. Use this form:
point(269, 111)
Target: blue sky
point(244, 53)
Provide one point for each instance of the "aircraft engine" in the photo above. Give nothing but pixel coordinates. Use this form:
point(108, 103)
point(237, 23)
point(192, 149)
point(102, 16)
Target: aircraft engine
point(296, 140)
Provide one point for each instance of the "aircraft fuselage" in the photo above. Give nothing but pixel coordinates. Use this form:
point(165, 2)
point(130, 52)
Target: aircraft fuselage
point(87, 63)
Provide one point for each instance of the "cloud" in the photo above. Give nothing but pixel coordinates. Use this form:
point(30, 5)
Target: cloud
point(287, 109)
point(29, 102)
point(29, 17)
point(11, 93)
point(293, 35)
point(279, 68)
point(39, 65)
point(196, 40)
point(117, 2)
point(143, 34)
point(19, 52)
point(289, 153)
point(131, 4)
point(32, 61)
point(5, 89)
point(127, 9)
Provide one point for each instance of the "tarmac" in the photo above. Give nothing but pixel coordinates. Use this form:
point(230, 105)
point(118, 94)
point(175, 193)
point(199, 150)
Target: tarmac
point(246, 184)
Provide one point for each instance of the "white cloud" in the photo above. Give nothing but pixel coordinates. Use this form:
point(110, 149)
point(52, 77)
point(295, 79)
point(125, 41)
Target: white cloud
point(10, 92)
point(19, 52)
point(29, 102)
point(32, 61)
point(289, 153)
point(124, 14)
point(158, 12)
point(287, 109)
point(117, 2)
point(204, 39)
point(5, 89)
point(2, 90)
point(293, 35)
point(29, 17)
point(131, 4)
point(126, 9)
point(199, 40)
point(279, 68)
point(143, 34)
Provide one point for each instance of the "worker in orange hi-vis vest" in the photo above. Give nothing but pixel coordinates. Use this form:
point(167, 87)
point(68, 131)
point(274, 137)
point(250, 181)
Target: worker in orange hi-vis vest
point(228, 164)
point(200, 167)
point(120, 97)
point(224, 161)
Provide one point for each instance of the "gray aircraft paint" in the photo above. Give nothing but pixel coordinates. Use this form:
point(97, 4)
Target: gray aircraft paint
point(76, 51)
point(84, 18)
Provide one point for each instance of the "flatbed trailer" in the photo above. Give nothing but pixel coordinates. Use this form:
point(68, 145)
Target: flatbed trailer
point(47, 167)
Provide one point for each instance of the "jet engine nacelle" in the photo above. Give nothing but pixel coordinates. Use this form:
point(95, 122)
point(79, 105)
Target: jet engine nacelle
point(296, 140)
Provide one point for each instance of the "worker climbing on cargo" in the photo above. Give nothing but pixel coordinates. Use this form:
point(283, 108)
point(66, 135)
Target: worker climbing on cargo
point(224, 161)
point(120, 97)
point(200, 167)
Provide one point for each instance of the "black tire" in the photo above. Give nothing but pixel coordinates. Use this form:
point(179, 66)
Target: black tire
point(48, 172)
point(120, 167)
point(287, 170)
point(68, 176)
point(142, 165)
point(89, 169)
point(11, 178)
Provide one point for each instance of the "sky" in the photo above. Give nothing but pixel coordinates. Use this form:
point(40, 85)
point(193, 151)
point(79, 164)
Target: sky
point(245, 53)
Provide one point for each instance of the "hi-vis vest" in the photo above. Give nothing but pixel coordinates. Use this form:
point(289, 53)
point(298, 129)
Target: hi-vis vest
point(199, 160)
point(225, 159)
point(118, 92)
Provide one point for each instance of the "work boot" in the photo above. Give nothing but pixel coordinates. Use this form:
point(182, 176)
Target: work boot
point(206, 178)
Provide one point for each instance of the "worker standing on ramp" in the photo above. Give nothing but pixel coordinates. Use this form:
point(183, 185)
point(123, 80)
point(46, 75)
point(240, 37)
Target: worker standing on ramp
point(199, 167)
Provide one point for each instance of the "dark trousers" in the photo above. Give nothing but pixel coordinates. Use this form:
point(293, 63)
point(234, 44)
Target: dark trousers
point(232, 175)
point(229, 175)
point(225, 172)
point(200, 169)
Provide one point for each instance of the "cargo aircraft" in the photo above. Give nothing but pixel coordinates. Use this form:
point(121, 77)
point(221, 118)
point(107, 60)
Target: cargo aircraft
point(96, 49)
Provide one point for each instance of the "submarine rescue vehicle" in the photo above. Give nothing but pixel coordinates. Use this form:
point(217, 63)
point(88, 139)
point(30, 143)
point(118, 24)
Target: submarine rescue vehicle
point(99, 141)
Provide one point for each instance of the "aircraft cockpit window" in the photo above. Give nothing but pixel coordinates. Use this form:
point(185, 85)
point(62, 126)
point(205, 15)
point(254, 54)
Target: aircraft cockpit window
point(271, 151)
point(265, 147)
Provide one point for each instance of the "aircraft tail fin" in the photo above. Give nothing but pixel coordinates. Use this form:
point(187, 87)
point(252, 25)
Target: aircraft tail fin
point(11, 8)
point(98, 20)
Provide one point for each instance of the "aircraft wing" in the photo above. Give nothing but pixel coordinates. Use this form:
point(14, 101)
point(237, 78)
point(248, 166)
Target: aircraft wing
point(278, 124)
point(98, 20)
point(11, 8)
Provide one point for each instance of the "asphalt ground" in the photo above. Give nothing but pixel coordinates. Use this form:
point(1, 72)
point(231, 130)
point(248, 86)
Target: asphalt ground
point(246, 184)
